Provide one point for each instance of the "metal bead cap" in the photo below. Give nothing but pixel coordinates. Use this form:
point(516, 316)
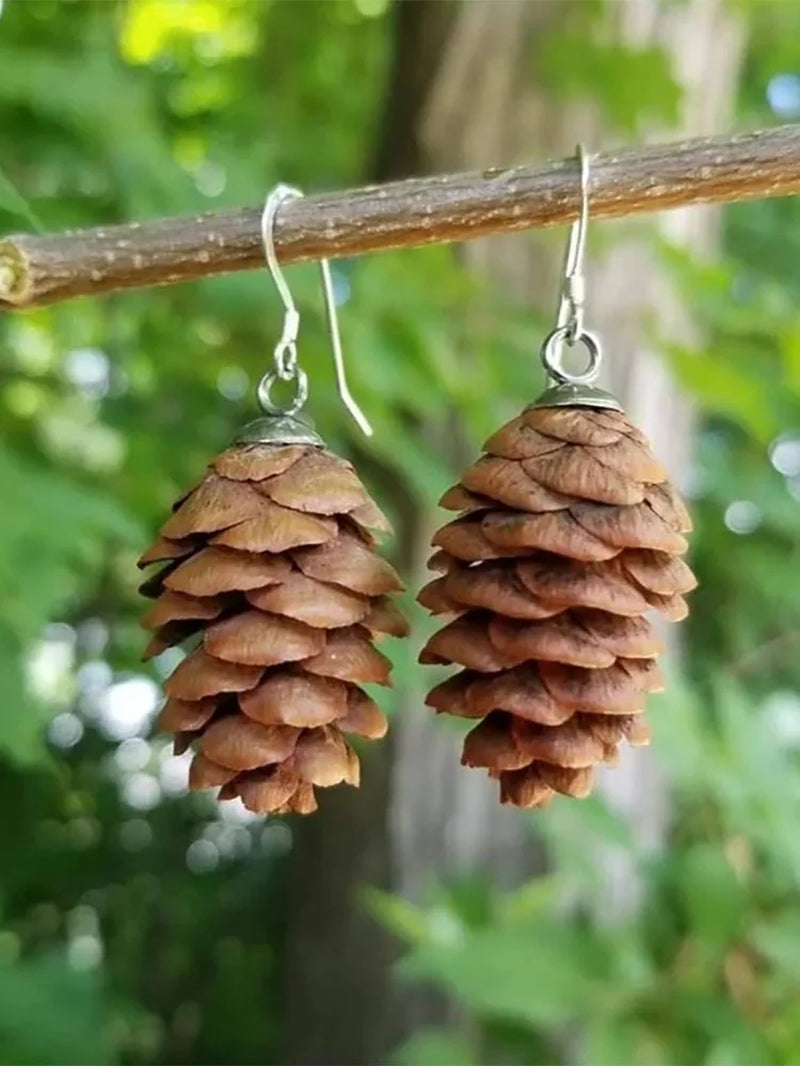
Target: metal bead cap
point(577, 395)
point(279, 429)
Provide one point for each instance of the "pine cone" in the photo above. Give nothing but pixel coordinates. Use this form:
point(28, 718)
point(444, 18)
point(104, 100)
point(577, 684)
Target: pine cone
point(569, 535)
point(271, 570)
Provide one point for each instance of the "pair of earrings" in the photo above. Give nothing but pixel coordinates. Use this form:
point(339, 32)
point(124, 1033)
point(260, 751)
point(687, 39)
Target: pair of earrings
point(567, 535)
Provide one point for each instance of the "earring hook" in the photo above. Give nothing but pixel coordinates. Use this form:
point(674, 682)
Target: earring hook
point(569, 327)
point(565, 388)
point(285, 366)
point(573, 287)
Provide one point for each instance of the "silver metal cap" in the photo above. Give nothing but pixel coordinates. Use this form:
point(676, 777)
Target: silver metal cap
point(569, 395)
point(279, 429)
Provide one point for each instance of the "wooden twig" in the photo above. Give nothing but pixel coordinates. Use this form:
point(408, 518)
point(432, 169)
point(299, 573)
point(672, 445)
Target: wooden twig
point(36, 270)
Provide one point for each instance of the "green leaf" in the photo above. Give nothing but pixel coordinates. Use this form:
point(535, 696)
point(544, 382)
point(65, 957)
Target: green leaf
point(731, 386)
point(50, 1013)
point(574, 830)
point(536, 972)
point(12, 203)
point(789, 345)
point(609, 1041)
point(538, 894)
point(779, 941)
point(434, 1047)
point(407, 922)
point(713, 896)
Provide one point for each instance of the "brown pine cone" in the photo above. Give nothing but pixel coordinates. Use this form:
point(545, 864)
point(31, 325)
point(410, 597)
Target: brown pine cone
point(569, 534)
point(271, 571)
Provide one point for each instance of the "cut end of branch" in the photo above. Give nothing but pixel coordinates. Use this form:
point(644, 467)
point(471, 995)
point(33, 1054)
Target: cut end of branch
point(15, 287)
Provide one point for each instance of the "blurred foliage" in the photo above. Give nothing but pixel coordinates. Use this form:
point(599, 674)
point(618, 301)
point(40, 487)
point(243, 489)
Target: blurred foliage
point(705, 972)
point(43, 573)
point(577, 61)
point(76, 1022)
point(138, 924)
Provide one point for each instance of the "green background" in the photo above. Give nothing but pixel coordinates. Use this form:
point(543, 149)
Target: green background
point(138, 924)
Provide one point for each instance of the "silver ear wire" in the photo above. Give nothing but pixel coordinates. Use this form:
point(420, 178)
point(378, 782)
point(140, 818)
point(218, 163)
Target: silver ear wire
point(574, 389)
point(569, 320)
point(285, 364)
point(345, 395)
point(573, 288)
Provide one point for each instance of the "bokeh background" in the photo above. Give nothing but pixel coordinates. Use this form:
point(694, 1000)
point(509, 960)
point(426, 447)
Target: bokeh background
point(415, 922)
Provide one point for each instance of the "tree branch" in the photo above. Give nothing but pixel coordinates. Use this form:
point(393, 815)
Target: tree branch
point(36, 270)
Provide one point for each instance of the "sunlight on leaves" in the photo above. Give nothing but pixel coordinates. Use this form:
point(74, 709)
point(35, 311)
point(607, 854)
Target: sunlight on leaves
point(218, 28)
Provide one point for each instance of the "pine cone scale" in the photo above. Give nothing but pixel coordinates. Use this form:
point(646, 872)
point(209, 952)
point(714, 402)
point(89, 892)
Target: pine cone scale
point(517, 440)
point(256, 464)
point(203, 773)
point(564, 582)
point(317, 482)
point(212, 571)
point(571, 427)
point(509, 483)
point(180, 607)
point(313, 602)
point(575, 471)
point(363, 716)
point(629, 527)
point(215, 504)
point(350, 655)
point(240, 744)
point(347, 562)
point(256, 638)
point(658, 572)
point(560, 639)
point(296, 699)
point(670, 508)
point(497, 587)
point(163, 549)
point(268, 789)
point(277, 530)
point(554, 531)
point(200, 675)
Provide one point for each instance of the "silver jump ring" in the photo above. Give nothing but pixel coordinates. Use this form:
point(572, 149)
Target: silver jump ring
point(264, 393)
point(552, 351)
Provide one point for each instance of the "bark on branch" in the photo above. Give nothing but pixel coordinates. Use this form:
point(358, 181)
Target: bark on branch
point(36, 270)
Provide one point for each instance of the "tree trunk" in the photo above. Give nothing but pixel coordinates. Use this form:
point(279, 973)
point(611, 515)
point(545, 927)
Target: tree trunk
point(461, 97)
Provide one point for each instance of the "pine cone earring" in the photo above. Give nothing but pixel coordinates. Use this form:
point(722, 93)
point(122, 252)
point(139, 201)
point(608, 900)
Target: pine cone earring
point(569, 534)
point(271, 572)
